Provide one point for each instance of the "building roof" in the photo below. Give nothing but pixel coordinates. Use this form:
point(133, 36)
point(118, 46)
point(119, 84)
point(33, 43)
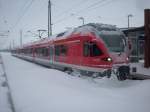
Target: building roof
point(134, 29)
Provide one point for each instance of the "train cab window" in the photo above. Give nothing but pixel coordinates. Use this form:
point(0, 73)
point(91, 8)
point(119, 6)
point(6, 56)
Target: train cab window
point(95, 51)
point(91, 49)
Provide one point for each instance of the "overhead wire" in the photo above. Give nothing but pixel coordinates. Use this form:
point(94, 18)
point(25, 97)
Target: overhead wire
point(23, 11)
point(66, 17)
point(5, 33)
point(92, 5)
point(72, 8)
point(105, 3)
point(26, 8)
point(85, 9)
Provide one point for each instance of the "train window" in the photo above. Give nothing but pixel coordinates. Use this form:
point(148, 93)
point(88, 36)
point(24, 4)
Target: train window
point(95, 51)
point(115, 42)
point(38, 51)
point(61, 50)
point(45, 52)
point(57, 50)
point(91, 49)
point(42, 52)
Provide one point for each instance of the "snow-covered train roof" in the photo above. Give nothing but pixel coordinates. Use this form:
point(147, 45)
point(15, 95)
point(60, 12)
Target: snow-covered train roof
point(100, 26)
point(90, 27)
point(82, 30)
point(97, 27)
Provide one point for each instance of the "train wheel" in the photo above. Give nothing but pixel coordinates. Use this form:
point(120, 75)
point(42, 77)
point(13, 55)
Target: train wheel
point(123, 73)
point(121, 77)
point(68, 70)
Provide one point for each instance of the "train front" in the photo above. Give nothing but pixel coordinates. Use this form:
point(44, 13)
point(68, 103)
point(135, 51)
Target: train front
point(117, 46)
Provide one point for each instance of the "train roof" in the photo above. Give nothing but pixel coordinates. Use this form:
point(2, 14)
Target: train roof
point(101, 27)
point(98, 28)
point(82, 30)
point(90, 27)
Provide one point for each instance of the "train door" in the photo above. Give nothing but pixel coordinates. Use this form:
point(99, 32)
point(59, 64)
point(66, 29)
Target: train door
point(74, 53)
point(51, 53)
point(86, 54)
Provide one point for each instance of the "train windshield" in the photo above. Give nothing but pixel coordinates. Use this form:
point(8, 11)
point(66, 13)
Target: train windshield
point(114, 40)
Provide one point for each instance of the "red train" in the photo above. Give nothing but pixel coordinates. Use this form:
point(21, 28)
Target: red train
point(93, 49)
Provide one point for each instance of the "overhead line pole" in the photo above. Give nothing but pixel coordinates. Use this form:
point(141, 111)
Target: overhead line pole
point(13, 44)
point(20, 38)
point(81, 18)
point(49, 19)
point(130, 15)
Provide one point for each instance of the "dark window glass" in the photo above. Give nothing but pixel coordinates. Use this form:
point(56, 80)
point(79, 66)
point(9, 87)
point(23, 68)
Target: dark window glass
point(45, 52)
point(57, 50)
point(91, 49)
point(61, 50)
point(38, 51)
point(95, 51)
point(114, 41)
point(60, 34)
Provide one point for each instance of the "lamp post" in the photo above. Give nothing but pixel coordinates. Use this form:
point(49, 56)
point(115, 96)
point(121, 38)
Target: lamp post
point(81, 18)
point(20, 38)
point(129, 15)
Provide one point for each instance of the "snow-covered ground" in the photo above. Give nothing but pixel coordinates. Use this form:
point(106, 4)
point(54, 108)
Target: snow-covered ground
point(4, 102)
point(38, 89)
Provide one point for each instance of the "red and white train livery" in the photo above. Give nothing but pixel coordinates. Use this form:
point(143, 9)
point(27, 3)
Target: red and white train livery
point(93, 49)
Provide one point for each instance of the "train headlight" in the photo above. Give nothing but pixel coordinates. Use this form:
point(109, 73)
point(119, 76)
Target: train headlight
point(127, 59)
point(107, 59)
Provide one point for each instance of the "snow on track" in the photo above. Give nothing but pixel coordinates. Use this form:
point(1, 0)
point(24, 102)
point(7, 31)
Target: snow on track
point(38, 89)
point(4, 101)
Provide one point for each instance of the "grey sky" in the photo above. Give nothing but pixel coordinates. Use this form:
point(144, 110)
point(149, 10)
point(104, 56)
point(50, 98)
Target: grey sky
point(32, 15)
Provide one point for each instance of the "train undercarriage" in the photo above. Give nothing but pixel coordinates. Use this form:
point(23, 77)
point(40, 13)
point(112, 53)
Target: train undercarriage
point(122, 72)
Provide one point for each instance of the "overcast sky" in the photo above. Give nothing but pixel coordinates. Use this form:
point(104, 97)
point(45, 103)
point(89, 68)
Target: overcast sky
point(25, 15)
